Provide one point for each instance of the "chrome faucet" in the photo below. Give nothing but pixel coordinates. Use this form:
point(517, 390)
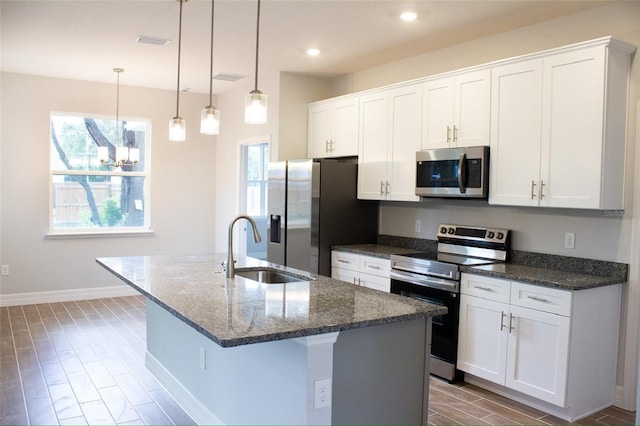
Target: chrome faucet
point(231, 270)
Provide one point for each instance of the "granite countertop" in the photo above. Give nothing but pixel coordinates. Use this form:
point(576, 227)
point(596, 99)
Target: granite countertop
point(374, 250)
point(544, 276)
point(238, 311)
point(568, 273)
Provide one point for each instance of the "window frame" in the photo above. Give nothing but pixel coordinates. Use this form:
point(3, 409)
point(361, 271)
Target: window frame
point(109, 231)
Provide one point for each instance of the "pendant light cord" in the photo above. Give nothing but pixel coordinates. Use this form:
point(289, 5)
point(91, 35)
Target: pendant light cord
point(211, 60)
point(257, 43)
point(179, 48)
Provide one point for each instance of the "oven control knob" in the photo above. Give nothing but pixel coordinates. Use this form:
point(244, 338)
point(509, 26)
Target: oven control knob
point(490, 234)
point(500, 235)
point(443, 230)
point(451, 231)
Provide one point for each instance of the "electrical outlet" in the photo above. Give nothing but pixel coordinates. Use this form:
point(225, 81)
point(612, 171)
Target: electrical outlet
point(4, 270)
point(322, 393)
point(418, 226)
point(570, 240)
point(203, 358)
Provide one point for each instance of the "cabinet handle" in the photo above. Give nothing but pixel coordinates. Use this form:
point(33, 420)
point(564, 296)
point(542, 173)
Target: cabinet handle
point(359, 281)
point(386, 188)
point(502, 315)
point(533, 187)
point(354, 281)
point(480, 287)
point(344, 261)
point(511, 327)
point(448, 134)
point(373, 266)
point(332, 144)
point(541, 189)
point(381, 187)
point(455, 134)
point(539, 299)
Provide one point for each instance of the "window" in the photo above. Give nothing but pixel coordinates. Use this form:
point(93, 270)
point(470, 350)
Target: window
point(257, 160)
point(88, 196)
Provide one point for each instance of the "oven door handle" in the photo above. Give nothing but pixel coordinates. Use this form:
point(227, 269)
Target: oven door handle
point(424, 281)
point(448, 276)
point(462, 172)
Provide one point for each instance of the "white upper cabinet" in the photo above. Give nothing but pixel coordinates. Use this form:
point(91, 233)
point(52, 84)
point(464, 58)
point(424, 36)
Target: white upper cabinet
point(390, 131)
point(558, 130)
point(333, 128)
point(456, 110)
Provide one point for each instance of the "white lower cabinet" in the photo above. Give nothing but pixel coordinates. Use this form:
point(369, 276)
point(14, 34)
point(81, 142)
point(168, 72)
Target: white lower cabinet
point(368, 271)
point(541, 342)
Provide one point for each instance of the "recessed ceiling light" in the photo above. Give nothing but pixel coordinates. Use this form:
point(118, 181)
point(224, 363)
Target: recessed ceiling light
point(313, 51)
point(408, 16)
point(157, 41)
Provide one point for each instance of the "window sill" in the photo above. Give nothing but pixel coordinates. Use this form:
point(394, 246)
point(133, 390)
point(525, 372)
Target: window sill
point(101, 234)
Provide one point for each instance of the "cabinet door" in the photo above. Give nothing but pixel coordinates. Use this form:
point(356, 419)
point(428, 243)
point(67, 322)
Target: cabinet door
point(538, 354)
point(344, 141)
point(374, 135)
point(482, 339)
point(516, 102)
point(572, 128)
point(345, 275)
point(405, 135)
point(472, 106)
point(375, 282)
point(437, 114)
point(319, 131)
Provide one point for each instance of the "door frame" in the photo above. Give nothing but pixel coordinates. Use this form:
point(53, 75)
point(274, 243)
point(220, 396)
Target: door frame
point(240, 233)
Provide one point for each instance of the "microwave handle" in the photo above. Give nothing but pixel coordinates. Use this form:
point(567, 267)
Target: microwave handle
point(462, 172)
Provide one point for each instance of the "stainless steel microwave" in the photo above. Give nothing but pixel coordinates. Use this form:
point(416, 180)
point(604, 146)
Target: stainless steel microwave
point(453, 172)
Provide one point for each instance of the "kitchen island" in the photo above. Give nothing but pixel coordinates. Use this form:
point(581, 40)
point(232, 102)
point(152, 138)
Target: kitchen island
point(311, 351)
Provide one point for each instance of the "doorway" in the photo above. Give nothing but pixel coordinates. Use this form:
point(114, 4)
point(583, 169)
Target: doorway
point(253, 194)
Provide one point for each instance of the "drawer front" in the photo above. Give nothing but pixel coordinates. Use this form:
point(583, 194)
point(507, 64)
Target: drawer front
point(345, 260)
point(486, 287)
point(375, 266)
point(543, 299)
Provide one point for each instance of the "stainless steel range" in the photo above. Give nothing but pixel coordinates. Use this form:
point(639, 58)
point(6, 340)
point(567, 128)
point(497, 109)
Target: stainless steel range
point(435, 278)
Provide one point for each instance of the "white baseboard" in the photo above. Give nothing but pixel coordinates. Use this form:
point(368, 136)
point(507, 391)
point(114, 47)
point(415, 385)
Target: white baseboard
point(65, 295)
point(189, 403)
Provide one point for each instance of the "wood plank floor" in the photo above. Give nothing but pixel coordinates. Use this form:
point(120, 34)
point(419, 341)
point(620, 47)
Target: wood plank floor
point(83, 363)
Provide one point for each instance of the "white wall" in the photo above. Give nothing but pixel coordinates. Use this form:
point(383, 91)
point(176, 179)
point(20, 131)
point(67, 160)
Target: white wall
point(182, 178)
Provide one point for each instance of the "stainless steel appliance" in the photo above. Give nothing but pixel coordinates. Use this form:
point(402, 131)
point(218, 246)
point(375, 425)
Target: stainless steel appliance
point(435, 278)
point(453, 172)
point(313, 205)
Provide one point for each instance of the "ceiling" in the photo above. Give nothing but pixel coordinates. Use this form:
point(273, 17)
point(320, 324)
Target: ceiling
point(86, 39)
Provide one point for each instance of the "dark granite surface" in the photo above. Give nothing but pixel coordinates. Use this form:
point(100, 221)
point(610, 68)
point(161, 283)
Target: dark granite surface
point(570, 273)
point(239, 311)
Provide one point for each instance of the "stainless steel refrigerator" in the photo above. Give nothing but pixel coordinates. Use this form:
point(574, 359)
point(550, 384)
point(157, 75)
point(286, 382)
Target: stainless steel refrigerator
point(313, 206)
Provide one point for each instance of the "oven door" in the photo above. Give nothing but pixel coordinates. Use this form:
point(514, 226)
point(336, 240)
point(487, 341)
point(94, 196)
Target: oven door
point(453, 172)
point(444, 340)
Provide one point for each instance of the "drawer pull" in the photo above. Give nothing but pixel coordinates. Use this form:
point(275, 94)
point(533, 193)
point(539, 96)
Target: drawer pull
point(480, 287)
point(373, 266)
point(539, 299)
point(344, 261)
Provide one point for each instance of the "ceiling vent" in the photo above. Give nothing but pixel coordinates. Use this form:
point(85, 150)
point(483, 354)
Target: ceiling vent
point(228, 77)
point(156, 41)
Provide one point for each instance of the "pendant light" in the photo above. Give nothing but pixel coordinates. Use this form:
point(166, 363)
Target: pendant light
point(210, 116)
point(255, 107)
point(124, 154)
point(177, 125)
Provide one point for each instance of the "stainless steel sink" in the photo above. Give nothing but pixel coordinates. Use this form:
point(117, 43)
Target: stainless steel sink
point(268, 276)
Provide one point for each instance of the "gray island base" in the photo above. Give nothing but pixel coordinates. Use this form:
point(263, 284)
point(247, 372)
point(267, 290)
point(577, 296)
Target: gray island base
point(314, 351)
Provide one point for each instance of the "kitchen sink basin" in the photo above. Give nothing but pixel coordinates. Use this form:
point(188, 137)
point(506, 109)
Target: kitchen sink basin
point(269, 276)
